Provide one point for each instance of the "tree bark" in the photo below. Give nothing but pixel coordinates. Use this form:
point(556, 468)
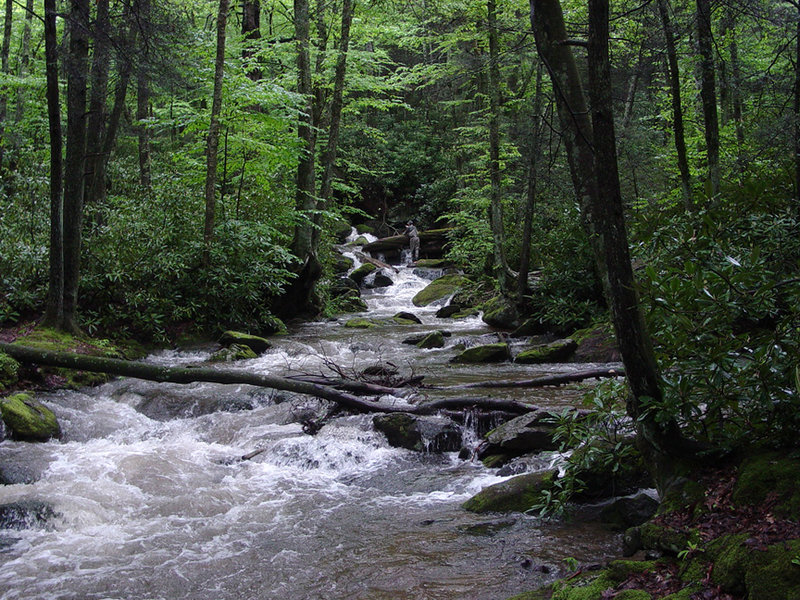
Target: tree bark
point(25, 56)
point(97, 99)
point(495, 191)
point(548, 380)
point(212, 144)
point(708, 92)
point(251, 29)
point(797, 116)
point(143, 103)
point(4, 52)
point(677, 109)
point(77, 71)
point(54, 313)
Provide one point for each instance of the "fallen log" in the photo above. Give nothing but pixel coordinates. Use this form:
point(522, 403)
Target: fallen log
point(492, 404)
point(151, 372)
point(374, 261)
point(543, 381)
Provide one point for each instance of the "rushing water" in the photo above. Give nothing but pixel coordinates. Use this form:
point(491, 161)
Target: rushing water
point(151, 500)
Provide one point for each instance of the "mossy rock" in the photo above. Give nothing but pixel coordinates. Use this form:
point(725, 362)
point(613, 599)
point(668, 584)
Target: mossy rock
point(9, 371)
point(596, 344)
point(494, 461)
point(557, 351)
point(586, 586)
point(487, 353)
point(340, 230)
point(28, 420)
point(419, 433)
point(256, 343)
point(273, 326)
point(770, 473)
point(773, 574)
point(666, 539)
point(359, 241)
point(501, 313)
point(517, 494)
point(365, 228)
point(438, 289)
point(434, 263)
point(524, 434)
point(545, 593)
point(45, 338)
point(434, 339)
point(360, 274)
point(351, 304)
point(360, 324)
point(232, 353)
point(406, 318)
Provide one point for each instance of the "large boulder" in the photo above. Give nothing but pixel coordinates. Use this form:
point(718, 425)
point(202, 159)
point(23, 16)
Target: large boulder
point(404, 318)
point(487, 353)
point(28, 420)
point(435, 339)
point(557, 351)
point(501, 313)
point(596, 344)
point(255, 343)
point(630, 511)
point(521, 435)
point(360, 274)
point(381, 280)
point(517, 494)
point(438, 289)
point(232, 353)
point(420, 433)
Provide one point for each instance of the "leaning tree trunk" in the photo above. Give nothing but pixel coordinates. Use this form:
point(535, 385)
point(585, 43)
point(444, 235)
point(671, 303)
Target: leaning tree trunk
point(212, 144)
point(677, 109)
point(54, 313)
point(77, 71)
point(708, 93)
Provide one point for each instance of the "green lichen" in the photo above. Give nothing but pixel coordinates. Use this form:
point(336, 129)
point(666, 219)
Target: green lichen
point(28, 420)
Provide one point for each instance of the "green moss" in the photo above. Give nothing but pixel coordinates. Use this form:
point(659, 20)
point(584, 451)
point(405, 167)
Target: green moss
point(487, 353)
point(766, 474)
point(437, 289)
point(29, 420)
point(495, 460)
point(585, 587)
point(9, 371)
point(658, 537)
point(730, 558)
point(432, 340)
point(232, 353)
point(434, 263)
point(402, 321)
point(686, 593)
point(620, 570)
point(771, 574)
point(256, 343)
point(544, 353)
point(682, 494)
point(361, 272)
point(545, 593)
point(517, 494)
point(360, 324)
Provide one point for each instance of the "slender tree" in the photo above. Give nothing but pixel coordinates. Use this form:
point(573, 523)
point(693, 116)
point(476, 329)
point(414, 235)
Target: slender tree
point(143, 99)
point(4, 52)
point(251, 30)
point(212, 143)
point(97, 98)
point(708, 93)
point(54, 313)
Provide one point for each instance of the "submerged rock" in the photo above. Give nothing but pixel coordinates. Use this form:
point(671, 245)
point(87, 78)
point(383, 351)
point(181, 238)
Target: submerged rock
point(25, 514)
point(255, 343)
point(29, 420)
point(434, 339)
point(381, 280)
point(487, 353)
point(232, 353)
point(420, 433)
point(407, 316)
point(361, 272)
point(521, 435)
point(360, 324)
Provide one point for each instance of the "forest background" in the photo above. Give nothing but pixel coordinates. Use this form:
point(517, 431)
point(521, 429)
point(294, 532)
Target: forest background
point(212, 152)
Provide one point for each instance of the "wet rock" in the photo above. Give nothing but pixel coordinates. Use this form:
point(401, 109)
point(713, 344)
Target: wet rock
point(522, 435)
point(420, 433)
point(487, 353)
point(382, 280)
point(501, 313)
point(342, 264)
point(434, 263)
point(438, 289)
point(407, 316)
point(165, 403)
point(529, 327)
point(361, 272)
point(255, 343)
point(517, 494)
point(557, 351)
point(360, 324)
point(25, 514)
point(28, 420)
point(596, 344)
point(232, 353)
point(629, 512)
point(448, 311)
point(416, 339)
point(344, 286)
point(434, 339)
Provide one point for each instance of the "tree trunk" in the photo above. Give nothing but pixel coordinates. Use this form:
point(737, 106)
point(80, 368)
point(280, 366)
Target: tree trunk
point(25, 56)
point(97, 99)
point(212, 143)
point(77, 71)
point(530, 203)
point(797, 116)
point(54, 313)
point(677, 109)
point(251, 30)
point(143, 104)
point(495, 193)
point(708, 92)
point(4, 52)
point(337, 102)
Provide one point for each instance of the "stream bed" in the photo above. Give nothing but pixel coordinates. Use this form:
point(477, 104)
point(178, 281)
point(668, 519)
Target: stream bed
point(150, 500)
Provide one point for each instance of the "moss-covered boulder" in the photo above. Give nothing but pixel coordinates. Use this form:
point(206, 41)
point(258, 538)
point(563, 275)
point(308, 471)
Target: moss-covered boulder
point(420, 433)
point(381, 280)
point(360, 324)
point(438, 289)
point(596, 344)
point(766, 474)
point(628, 512)
point(232, 353)
point(521, 435)
point(405, 318)
point(517, 494)
point(434, 339)
point(557, 351)
point(9, 371)
point(342, 264)
point(360, 274)
point(434, 263)
point(501, 313)
point(487, 353)
point(28, 420)
point(256, 343)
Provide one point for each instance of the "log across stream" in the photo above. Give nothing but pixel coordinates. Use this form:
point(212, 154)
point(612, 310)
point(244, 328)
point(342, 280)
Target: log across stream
point(149, 501)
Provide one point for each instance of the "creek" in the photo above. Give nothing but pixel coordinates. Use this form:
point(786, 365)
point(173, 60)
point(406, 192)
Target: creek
point(151, 501)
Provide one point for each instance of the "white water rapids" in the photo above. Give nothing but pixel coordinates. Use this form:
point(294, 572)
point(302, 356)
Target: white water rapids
point(151, 502)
